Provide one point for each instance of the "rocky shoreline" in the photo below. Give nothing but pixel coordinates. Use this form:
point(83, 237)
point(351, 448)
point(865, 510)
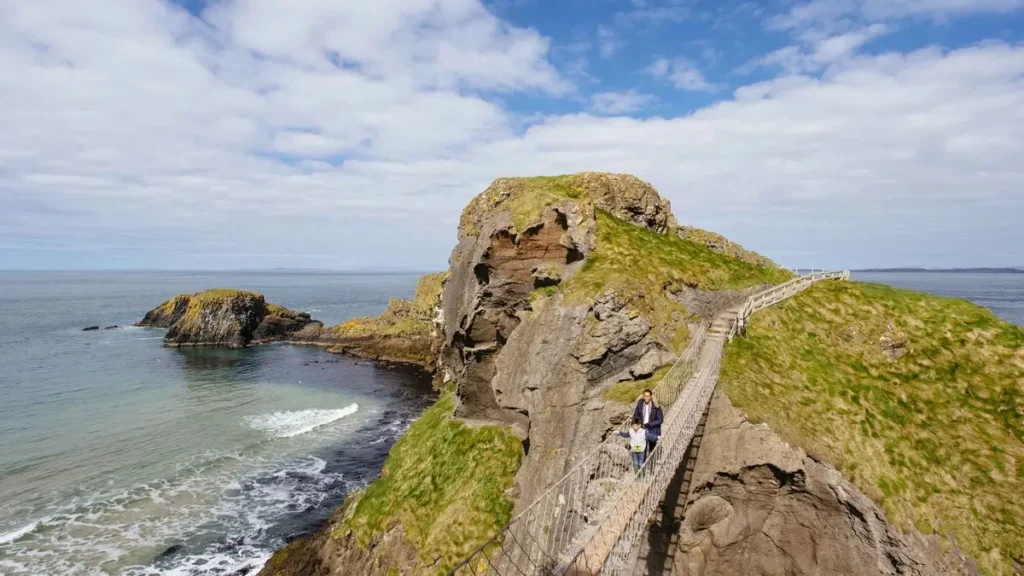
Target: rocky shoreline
point(231, 318)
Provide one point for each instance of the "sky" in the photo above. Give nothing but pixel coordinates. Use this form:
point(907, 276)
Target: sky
point(343, 134)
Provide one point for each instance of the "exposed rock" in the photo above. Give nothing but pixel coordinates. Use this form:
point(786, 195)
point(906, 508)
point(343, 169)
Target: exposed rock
point(223, 317)
point(893, 342)
point(538, 365)
point(723, 245)
point(759, 506)
point(90, 328)
point(111, 327)
point(629, 198)
point(280, 324)
point(404, 333)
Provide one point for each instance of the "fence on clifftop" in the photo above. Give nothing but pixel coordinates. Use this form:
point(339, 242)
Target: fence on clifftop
point(588, 521)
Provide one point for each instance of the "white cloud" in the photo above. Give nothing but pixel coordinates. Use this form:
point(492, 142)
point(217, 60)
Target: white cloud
point(682, 73)
point(819, 53)
point(608, 41)
point(832, 16)
point(619, 102)
point(134, 134)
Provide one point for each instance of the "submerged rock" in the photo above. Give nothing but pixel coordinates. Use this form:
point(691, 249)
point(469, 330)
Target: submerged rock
point(223, 317)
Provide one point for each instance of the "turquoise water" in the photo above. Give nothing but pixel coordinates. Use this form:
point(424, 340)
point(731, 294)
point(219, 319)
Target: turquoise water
point(120, 456)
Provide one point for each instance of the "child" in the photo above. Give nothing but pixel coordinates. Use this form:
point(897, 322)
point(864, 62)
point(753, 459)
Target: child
point(638, 437)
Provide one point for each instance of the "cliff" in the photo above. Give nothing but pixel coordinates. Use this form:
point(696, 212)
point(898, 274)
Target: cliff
point(566, 296)
point(223, 317)
point(404, 333)
point(563, 298)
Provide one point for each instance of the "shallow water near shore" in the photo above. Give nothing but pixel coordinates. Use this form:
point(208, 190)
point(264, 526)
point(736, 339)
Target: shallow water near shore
point(120, 456)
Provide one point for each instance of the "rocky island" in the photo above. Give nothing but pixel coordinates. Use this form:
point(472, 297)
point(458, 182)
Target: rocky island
point(224, 317)
point(238, 318)
point(856, 429)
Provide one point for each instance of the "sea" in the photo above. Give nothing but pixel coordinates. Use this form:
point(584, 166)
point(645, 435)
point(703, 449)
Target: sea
point(120, 456)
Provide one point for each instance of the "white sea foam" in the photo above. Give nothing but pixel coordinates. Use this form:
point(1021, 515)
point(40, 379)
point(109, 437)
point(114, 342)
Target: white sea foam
point(288, 424)
point(15, 535)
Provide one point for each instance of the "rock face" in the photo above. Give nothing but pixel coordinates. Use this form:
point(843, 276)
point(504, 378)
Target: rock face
point(540, 364)
point(223, 317)
point(759, 506)
point(404, 333)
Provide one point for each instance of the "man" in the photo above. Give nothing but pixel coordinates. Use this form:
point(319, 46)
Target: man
point(650, 417)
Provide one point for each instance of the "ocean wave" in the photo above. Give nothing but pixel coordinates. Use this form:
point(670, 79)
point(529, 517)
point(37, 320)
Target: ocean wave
point(213, 520)
point(15, 535)
point(288, 424)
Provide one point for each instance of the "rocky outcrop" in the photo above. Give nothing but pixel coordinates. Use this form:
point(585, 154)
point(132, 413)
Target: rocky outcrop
point(224, 317)
point(723, 245)
point(760, 506)
point(539, 364)
point(404, 333)
point(559, 289)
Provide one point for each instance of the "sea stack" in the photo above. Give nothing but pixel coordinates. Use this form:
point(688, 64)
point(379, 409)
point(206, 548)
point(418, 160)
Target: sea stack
point(224, 317)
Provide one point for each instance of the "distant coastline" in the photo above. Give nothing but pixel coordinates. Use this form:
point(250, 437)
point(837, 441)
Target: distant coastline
point(948, 270)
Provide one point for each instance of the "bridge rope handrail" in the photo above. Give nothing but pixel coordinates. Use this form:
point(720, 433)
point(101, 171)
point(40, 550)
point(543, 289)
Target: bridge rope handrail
point(588, 520)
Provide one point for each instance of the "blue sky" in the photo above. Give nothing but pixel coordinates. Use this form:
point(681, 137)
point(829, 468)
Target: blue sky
point(340, 135)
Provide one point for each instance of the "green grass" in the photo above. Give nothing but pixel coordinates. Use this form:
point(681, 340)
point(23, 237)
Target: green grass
point(445, 483)
point(223, 294)
point(640, 264)
point(524, 198)
point(935, 436)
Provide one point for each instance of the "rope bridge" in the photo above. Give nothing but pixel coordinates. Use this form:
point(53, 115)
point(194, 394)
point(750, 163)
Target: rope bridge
point(589, 521)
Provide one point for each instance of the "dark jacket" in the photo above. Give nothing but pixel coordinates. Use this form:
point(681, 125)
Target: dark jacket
point(654, 424)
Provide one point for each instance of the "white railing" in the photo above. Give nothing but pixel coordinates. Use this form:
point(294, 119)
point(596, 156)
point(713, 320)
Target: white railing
point(589, 520)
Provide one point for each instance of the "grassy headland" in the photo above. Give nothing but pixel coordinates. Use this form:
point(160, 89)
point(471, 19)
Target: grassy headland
point(917, 399)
